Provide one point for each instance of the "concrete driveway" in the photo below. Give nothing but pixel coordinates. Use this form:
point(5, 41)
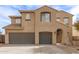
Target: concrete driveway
point(31, 49)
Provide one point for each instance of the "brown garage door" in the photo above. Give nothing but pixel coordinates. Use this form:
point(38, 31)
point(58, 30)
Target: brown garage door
point(45, 38)
point(21, 38)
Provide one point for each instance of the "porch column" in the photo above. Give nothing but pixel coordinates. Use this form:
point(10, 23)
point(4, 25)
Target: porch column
point(53, 37)
point(36, 38)
point(6, 38)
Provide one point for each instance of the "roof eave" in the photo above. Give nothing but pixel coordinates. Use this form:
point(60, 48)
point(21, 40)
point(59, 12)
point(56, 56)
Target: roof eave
point(14, 17)
point(25, 11)
point(66, 12)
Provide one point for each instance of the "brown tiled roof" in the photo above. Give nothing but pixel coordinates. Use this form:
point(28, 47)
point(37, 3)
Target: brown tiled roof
point(15, 16)
point(65, 12)
point(23, 11)
point(13, 26)
point(48, 7)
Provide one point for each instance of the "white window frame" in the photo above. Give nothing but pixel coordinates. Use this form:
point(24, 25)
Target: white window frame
point(18, 21)
point(45, 17)
point(66, 20)
point(28, 16)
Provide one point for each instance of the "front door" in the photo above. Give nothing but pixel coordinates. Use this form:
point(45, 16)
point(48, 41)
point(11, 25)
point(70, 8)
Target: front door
point(59, 36)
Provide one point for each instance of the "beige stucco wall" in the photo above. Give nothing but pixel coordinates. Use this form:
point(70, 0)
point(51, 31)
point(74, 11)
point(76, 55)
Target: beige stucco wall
point(28, 25)
point(35, 25)
point(45, 26)
point(75, 32)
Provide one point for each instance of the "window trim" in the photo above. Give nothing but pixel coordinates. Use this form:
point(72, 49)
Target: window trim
point(58, 18)
point(29, 19)
point(43, 13)
point(18, 22)
point(66, 19)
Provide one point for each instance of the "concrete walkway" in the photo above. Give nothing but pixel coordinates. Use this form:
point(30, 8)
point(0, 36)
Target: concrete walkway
point(42, 49)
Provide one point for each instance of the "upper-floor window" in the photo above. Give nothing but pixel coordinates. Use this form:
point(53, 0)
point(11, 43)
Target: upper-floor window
point(58, 19)
point(45, 17)
point(28, 17)
point(18, 21)
point(66, 20)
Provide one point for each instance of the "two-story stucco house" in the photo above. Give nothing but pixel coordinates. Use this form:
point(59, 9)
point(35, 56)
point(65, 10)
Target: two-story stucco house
point(44, 25)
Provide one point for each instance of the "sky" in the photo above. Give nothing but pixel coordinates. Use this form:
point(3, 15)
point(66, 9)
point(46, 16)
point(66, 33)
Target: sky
point(8, 10)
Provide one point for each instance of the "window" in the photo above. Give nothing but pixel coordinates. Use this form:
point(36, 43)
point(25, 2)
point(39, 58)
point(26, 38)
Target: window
point(45, 17)
point(28, 17)
point(58, 19)
point(18, 21)
point(66, 20)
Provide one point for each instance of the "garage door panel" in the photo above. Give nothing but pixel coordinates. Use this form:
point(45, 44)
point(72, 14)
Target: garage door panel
point(22, 38)
point(45, 38)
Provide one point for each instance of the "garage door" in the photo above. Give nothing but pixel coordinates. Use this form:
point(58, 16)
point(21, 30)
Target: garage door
point(22, 38)
point(45, 38)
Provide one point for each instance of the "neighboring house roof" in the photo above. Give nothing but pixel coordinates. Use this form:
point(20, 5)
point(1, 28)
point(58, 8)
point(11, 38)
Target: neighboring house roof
point(13, 26)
